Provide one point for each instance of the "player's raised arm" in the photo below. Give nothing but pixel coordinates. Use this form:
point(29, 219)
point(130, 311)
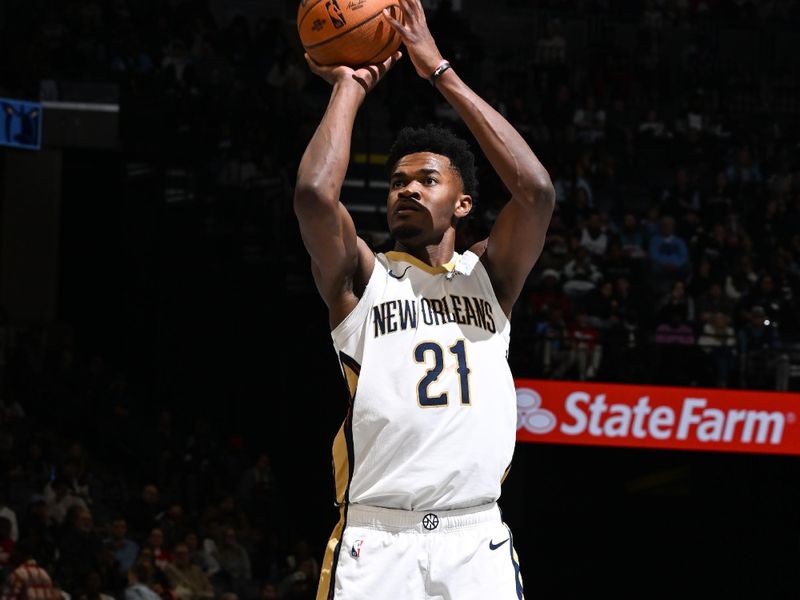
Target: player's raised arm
point(517, 238)
point(326, 227)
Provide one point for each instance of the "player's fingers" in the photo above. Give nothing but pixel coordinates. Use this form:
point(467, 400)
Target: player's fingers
point(395, 23)
point(391, 61)
point(311, 63)
point(362, 83)
point(412, 8)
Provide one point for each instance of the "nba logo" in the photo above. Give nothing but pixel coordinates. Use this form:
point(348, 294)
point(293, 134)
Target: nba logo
point(355, 551)
point(335, 14)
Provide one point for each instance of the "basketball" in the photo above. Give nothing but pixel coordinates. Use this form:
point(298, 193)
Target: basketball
point(347, 32)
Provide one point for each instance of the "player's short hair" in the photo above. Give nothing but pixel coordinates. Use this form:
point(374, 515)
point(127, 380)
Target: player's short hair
point(439, 140)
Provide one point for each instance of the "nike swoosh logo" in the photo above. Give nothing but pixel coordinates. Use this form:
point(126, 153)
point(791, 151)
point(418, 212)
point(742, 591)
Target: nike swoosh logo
point(403, 274)
point(493, 546)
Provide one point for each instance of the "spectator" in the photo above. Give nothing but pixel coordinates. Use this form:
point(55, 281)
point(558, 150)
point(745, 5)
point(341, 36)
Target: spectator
point(617, 264)
point(302, 559)
point(37, 469)
point(589, 121)
point(188, 580)
point(548, 294)
point(227, 513)
point(551, 48)
point(93, 588)
point(758, 345)
point(552, 345)
point(718, 341)
point(80, 551)
point(61, 502)
point(594, 236)
point(652, 127)
point(669, 256)
point(211, 540)
point(157, 545)
point(740, 280)
point(268, 554)
point(677, 300)
point(268, 591)
point(702, 279)
point(585, 350)
point(719, 200)
point(9, 513)
point(113, 579)
point(632, 238)
point(172, 523)
point(234, 561)
point(137, 588)
point(256, 488)
point(125, 550)
point(744, 171)
point(155, 578)
point(296, 586)
point(581, 274)
point(713, 301)
point(682, 196)
point(199, 556)
point(601, 306)
point(77, 486)
point(765, 295)
point(40, 534)
point(675, 339)
point(143, 512)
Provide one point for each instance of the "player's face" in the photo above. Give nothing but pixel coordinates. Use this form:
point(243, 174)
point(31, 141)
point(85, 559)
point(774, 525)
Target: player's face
point(426, 197)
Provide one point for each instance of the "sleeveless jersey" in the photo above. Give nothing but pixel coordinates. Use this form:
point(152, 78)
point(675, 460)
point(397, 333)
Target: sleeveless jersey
point(432, 419)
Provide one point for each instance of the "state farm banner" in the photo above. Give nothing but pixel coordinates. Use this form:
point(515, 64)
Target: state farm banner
point(605, 414)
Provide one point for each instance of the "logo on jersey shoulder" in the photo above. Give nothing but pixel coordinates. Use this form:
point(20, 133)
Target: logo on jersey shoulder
point(398, 277)
point(355, 551)
point(493, 546)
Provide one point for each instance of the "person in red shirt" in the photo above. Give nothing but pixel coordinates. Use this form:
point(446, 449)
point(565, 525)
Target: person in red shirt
point(586, 350)
point(161, 554)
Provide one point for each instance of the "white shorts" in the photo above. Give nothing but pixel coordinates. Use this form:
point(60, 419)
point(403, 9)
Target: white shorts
point(386, 554)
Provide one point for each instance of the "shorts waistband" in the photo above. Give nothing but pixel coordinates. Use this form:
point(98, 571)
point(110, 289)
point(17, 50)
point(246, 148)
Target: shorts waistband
point(392, 519)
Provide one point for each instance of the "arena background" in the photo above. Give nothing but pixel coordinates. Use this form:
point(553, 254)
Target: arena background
point(156, 294)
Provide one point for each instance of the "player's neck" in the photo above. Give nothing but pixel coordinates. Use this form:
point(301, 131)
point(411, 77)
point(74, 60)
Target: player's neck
point(434, 255)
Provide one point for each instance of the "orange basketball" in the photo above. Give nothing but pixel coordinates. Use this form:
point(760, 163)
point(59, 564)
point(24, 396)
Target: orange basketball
point(347, 32)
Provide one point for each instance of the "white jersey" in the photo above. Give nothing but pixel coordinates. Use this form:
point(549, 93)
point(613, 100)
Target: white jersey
point(432, 424)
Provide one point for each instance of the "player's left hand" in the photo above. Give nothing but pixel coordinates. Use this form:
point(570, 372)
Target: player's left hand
point(416, 36)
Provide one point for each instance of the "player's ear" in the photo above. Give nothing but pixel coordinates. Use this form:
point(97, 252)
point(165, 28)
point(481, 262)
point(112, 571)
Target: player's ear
point(463, 205)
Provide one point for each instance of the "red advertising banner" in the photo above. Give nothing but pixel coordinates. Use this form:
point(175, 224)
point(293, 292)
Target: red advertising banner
point(605, 414)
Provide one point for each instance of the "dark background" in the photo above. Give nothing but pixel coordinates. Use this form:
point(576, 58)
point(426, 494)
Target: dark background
point(195, 292)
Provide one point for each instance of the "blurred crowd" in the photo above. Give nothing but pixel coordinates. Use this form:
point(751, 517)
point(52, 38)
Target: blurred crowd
point(673, 255)
point(133, 502)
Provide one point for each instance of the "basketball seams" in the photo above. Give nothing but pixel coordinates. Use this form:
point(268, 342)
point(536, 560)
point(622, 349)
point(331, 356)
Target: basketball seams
point(388, 43)
point(354, 28)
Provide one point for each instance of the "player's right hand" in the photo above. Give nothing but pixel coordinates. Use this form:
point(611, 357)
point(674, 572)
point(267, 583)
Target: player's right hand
point(416, 36)
point(367, 77)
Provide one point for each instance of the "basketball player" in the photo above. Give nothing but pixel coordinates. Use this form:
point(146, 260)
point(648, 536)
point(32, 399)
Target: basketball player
point(422, 335)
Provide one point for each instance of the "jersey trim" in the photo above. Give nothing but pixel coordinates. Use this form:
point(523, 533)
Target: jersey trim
point(413, 260)
point(327, 573)
point(343, 450)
